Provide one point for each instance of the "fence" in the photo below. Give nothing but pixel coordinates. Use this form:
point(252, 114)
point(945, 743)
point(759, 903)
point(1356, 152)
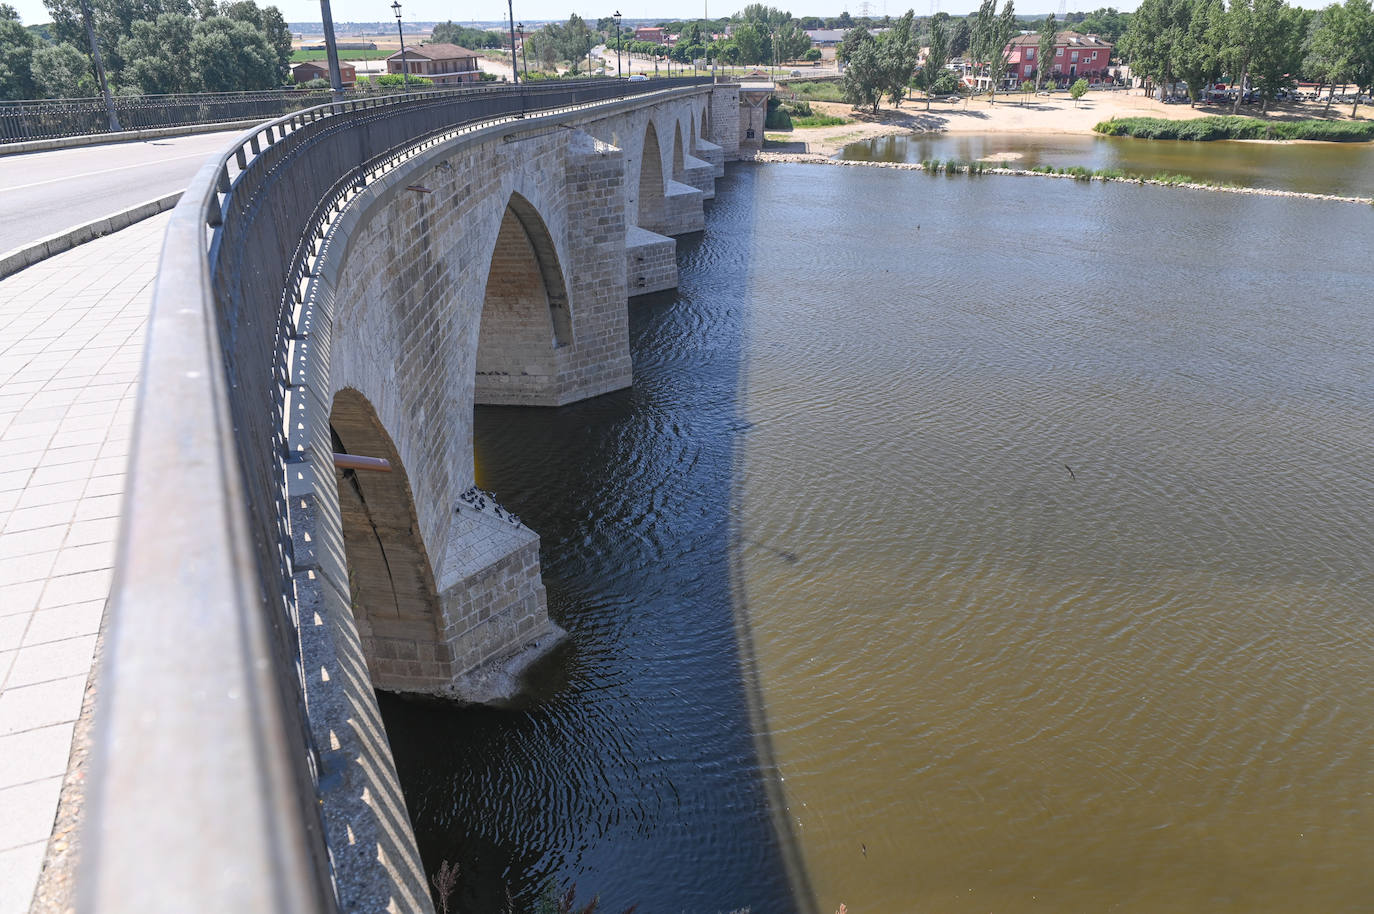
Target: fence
point(204, 775)
point(60, 117)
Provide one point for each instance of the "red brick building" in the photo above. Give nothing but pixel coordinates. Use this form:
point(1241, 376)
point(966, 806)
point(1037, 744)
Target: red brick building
point(1075, 55)
point(651, 35)
point(319, 69)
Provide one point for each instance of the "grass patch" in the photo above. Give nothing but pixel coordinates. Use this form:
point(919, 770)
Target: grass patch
point(816, 90)
point(819, 120)
point(1226, 127)
point(299, 56)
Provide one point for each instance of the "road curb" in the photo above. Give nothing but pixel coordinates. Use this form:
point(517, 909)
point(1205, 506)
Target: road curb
point(12, 262)
point(126, 136)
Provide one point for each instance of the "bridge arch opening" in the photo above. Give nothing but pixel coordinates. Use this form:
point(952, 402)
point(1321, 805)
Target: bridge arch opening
point(390, 579)
point(651, 185)
point(526, 316)
point(679, 164)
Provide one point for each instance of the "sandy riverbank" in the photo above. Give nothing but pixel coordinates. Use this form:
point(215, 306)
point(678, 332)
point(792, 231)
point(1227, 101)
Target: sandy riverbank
point(1054, 115)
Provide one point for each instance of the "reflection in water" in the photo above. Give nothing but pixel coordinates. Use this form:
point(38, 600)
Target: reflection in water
point(993, 683)
point(1045, 511)
point(1346, 169)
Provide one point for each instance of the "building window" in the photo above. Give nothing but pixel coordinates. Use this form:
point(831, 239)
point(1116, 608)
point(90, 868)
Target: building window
point(1073, 55)
point(1094, 55)
point(1058, 52)
point(1030, 53)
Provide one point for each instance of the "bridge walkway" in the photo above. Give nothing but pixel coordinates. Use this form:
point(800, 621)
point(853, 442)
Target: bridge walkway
point(71, 344)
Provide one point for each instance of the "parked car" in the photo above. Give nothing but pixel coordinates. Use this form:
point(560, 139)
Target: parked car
point(637, 78)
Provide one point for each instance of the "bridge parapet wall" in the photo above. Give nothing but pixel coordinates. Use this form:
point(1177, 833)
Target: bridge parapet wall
point(273, 789)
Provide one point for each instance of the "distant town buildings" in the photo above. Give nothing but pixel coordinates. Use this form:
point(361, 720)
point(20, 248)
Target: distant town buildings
point(651, 35)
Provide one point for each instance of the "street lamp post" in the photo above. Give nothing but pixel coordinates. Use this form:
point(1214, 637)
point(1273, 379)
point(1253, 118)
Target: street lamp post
point(615, 17)
point(514, 61)
point(405, 67)
point(524, 55)
point(99, 66)
point(331, 50)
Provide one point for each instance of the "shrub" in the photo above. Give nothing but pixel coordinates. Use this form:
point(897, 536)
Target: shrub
point(819, 120)
point(1226, 127)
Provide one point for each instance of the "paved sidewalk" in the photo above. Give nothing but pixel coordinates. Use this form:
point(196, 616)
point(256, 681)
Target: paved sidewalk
point(71, 342)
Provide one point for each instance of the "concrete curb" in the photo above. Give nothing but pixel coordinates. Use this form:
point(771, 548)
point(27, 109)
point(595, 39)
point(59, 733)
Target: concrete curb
point(127, 136)
point(12, 262)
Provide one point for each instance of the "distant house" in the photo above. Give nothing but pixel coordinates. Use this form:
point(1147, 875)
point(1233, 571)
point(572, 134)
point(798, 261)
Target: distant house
point(825, 38)
point(319, 69)
point(1075, 55)
point(651, 35)
point(446, 64)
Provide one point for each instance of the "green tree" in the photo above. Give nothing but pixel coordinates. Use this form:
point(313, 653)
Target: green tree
point(1049, 33)
point(1242, 36)
point(1328, 58)
point(1278, 54)
point(1198, 54)
point(899, 53)
point(991, 33)
point(1106, 23)
point(231, 55)
point(61, 71)
point(960, 37)
point(864, 78)
point(792, 41)
point(937, 57)
point(17, 45)
point(1155, 38)
point(1359, 32)
point(1078, 90)
point(157, 56)
point(753, 46)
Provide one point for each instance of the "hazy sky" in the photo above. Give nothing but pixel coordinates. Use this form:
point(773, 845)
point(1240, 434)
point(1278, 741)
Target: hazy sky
point(33, 11)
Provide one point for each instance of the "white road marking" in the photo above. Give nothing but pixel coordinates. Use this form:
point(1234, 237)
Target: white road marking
point(105, 171)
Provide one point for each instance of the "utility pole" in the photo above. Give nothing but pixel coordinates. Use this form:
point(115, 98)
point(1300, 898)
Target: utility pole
point(514, 62)
point(405, 67)
point(331, 50)
point(99, 67)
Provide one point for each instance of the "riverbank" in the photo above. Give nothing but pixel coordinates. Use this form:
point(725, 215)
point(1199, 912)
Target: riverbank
point(1170, 181)
point(1056, 114)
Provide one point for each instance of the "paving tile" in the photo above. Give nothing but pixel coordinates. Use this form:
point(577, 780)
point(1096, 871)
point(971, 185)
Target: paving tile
point(19, 871)
point(66, 472)
point(86, 532)
point(12, 630)
point(20, 598)
point(51, 494)
point(98, 506)
point(51, 660)
point(21, 569)
point(76, 588)
point(35, 754)
point(14, 479)
point(74, 559)
point(63, 622)
point(105, 485)
point(28, 542)
point(29, 812)
point(21, 519)
point(42, 705)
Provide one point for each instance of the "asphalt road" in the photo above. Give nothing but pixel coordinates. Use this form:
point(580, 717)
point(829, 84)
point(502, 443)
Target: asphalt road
point(42, 193)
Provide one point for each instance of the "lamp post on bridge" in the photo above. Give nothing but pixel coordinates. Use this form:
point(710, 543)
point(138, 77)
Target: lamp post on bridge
point(331, 50)
point(514, 61)
point(405, 68)
point(615, 17)
point(99, 66)
point(524, 55)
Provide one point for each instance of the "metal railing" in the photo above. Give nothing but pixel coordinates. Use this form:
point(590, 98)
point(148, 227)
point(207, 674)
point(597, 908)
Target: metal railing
point(62, 117)
point(204, 792)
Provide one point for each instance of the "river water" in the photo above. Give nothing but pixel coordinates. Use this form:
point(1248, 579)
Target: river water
point(964, 544)
point(1345, 169)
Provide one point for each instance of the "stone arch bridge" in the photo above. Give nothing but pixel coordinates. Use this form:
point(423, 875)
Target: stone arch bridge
point(336, 291)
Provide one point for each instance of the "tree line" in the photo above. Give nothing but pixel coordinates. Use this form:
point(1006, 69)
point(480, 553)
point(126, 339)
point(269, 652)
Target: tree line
point(1263, 46)
point(147, 47)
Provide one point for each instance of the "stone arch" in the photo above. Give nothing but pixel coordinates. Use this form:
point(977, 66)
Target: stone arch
point(692, 129)
point(526, 317)
point(390, 577)
point(651, 184)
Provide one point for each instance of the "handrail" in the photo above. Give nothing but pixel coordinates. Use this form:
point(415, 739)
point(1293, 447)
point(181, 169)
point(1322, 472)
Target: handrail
point(204, 779)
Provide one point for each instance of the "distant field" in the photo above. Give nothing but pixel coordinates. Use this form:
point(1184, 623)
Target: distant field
point(299, 56)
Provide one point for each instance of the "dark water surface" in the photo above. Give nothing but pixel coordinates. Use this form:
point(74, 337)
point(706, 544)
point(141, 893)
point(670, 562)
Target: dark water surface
point(1346, 169)
point(1044, 511)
